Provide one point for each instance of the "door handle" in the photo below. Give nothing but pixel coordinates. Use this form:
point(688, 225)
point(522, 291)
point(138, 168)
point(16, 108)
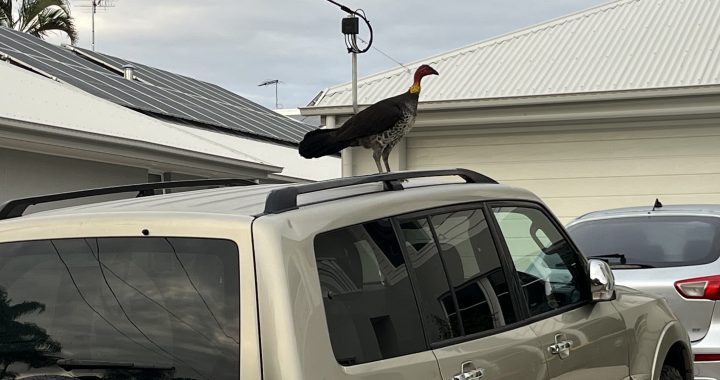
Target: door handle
point(561, 347)
point(469, 372)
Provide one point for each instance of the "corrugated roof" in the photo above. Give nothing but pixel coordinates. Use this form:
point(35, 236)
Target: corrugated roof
point(623, 45)
point(153, 91)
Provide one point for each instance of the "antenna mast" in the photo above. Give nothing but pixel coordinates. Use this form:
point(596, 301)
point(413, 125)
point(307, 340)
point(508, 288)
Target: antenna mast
point(93, 6)
point(271, 82)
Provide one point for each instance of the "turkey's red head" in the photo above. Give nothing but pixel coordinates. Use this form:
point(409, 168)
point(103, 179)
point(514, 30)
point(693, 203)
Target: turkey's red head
point(423, 71)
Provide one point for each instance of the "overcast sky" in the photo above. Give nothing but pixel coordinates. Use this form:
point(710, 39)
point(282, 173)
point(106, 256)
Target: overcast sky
point(238, 44)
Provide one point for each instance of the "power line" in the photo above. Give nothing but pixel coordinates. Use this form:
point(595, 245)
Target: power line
point(388, 57)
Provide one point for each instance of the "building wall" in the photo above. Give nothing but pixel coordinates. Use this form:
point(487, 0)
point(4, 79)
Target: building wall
point(24, 174)
point(580, 168)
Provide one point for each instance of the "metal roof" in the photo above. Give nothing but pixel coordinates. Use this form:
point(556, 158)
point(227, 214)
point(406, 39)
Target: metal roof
point(153, 91)
point(622, 45)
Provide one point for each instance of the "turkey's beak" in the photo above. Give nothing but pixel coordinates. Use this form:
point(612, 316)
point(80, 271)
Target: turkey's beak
point(434, 72)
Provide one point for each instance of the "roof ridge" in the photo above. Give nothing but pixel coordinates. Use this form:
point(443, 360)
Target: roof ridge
point(374, 78)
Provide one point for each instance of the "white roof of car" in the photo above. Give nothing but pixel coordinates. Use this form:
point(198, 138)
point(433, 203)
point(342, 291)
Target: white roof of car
point(250, 200)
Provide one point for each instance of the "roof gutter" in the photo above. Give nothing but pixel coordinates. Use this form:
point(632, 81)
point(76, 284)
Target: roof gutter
point(47, 139)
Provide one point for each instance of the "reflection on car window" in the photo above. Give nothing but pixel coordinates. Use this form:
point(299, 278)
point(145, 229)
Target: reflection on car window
point(369, 305)
point(549, 271)
point(463, 288)
point(165, 302)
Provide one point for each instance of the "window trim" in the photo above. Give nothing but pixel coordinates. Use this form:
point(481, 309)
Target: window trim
point(585, 285)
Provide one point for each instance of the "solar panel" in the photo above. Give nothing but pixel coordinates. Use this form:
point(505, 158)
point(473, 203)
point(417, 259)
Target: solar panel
point(154, 91)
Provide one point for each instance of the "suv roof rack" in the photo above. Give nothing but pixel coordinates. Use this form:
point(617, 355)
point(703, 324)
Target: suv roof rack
point(16, 207)
point(285, 199)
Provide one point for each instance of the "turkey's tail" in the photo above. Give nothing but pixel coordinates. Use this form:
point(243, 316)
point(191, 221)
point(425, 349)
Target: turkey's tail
point(320, 142)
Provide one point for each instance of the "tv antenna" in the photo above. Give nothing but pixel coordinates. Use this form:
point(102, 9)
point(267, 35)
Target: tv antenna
point(92, 6)
point(268, 83)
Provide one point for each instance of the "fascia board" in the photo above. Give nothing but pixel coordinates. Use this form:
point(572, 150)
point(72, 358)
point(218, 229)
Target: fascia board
point(657, 93)
point(84, 145)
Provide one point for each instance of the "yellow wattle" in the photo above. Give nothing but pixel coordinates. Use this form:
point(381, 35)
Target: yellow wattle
point(415, 88)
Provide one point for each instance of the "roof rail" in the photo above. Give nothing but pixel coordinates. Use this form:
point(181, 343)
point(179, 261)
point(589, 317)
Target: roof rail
point(285, 199)
point(16, 207)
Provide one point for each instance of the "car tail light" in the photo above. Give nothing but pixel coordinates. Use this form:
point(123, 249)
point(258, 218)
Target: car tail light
point(707, 357)
point(706, 288)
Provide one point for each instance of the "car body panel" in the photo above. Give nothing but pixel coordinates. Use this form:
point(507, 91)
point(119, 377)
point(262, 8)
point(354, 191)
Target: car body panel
point(651, 328)
point(293, 325)
point(599, 343)
point(236, 229)
point(513, 354)
point(695, 315)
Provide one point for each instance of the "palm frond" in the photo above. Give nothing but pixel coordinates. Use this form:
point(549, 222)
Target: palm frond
point(6, 18)
point(38, 17)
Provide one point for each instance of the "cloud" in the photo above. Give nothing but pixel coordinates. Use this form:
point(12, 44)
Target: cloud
point(238, 44)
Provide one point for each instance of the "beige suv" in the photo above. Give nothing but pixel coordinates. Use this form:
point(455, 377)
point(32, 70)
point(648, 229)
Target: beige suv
point(390, 276)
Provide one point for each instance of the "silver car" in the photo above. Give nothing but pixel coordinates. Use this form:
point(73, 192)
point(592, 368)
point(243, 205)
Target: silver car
point(671, 251)
point(382, 277)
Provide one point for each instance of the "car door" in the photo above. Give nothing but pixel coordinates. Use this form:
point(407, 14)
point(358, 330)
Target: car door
point(371, 315)
point(464, 296)
point(580, 339)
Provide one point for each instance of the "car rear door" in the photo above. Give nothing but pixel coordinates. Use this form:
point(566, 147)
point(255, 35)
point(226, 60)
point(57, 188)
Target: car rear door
point(579, 339)
point(464, 295)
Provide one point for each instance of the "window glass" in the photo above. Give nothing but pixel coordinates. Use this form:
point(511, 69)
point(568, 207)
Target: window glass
point(437, 303)
point(369, 304)
point(463, 288)
point(171, 303)
point(474, 270)
point(549, 270)
point(657, 241)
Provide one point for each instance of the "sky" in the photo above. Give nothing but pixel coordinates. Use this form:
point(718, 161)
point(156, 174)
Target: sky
point(238, 44)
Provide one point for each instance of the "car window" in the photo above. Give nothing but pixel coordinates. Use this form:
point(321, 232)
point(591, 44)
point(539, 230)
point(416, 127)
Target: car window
point(459, 276)
point(172, 303)
point(369, 305)
point(658, 241)
point(550, 271)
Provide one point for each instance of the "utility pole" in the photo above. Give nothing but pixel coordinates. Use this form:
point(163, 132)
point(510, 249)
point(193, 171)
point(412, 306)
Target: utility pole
point(351, 29)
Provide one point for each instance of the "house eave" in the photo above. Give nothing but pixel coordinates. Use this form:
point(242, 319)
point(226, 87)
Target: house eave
point(515, 101)
point(42, 138)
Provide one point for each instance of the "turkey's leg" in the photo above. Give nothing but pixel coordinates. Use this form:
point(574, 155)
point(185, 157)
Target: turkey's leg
point(376, 157)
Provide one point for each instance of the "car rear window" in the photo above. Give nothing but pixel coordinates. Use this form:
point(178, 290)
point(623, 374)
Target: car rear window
point(99, 306)
point(654, 241)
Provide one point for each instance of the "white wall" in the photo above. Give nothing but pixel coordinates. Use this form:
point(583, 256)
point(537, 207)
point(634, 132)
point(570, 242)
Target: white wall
point(24, 174)
point(581, 170)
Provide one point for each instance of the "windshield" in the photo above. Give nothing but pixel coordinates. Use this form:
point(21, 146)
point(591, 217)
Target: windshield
point(657, 241)
point(150, 307)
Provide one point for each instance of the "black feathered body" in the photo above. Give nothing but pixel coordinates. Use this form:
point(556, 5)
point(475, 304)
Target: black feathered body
point(379, 127)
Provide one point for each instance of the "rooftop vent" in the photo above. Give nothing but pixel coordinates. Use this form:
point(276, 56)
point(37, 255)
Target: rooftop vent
point(129, 71)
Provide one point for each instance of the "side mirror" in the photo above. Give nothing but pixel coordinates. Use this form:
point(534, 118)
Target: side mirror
point(602, 281)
